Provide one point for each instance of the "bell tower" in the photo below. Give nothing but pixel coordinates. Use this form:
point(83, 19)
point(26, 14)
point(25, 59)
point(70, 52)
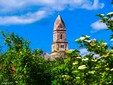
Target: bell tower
point(59, 36)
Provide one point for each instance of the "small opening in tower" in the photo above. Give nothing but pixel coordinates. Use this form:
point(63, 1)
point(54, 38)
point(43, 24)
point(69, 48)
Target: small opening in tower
point(62, 46)
point(61, 36)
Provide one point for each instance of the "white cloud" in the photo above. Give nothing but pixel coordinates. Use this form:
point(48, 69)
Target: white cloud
point(93, 6)
point(6, 5)
point(20, 6)
point(83, 51)
point(23, 19)
point(98, 25)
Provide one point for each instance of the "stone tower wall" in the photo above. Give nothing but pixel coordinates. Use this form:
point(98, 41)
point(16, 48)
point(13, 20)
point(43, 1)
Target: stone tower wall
point(59, 45)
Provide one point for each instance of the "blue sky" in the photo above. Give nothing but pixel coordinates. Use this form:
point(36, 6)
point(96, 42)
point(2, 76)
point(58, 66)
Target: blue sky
point(34, 20)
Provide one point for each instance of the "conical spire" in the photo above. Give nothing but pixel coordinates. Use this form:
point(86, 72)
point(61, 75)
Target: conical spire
point(59, 23)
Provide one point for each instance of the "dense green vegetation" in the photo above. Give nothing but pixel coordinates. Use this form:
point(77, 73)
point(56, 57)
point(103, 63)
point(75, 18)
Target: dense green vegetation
point(19, 65)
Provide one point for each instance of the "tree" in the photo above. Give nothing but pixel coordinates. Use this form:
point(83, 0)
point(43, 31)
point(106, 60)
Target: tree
point(20, 65)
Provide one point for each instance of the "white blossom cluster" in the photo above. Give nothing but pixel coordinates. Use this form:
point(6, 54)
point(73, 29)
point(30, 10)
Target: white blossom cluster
point(84, 37)
point(104, 44)
point(110, 13)
point(75, 63)
point(82, 67)
point(85, 59)
point(78, 57)
point(102, 15)
point(111, 69)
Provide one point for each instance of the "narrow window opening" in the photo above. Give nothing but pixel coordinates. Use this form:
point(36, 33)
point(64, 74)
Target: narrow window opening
point(61, 36)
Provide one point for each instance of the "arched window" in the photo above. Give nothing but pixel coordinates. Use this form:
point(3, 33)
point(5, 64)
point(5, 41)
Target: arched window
point(61, 36)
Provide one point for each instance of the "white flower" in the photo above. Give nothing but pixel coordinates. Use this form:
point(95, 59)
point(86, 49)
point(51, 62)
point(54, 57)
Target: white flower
point(94, 60)
point(105, 17)
point(88, 41)
point(85, 59)
point(102, 14)
point(82, 67)
point(91, 72)
point(75, 63)
point(111, 40)
point(16, 81)
point(66, 76)
point(82, 38)
point(98, 46)
point(107, 69)
point(78, 57)
point(77, 77)
point(93, 39)
point(87, 36)
point(75, 71)
point(111, 69)
point(110, 13)
point(104, 43)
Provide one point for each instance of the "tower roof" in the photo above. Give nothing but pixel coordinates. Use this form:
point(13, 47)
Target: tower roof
point(59, 23)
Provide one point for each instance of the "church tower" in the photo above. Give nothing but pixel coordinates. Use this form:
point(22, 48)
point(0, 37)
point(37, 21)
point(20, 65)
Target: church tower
point(59, 36)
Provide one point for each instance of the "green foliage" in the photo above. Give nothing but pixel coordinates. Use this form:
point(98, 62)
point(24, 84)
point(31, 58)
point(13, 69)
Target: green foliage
point(112, 2)
point(108, 20)
point(19, 65)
